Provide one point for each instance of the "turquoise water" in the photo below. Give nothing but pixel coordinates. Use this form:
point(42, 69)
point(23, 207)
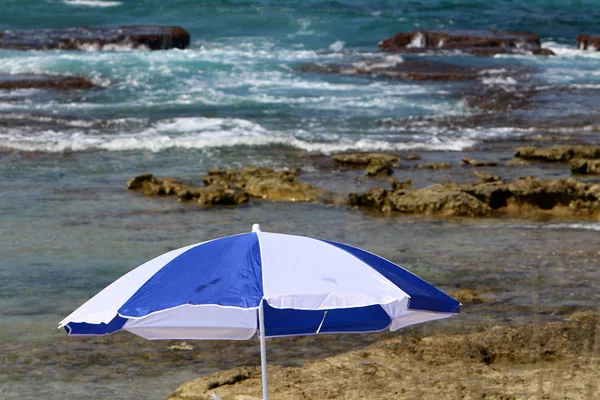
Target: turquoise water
point(237, 97)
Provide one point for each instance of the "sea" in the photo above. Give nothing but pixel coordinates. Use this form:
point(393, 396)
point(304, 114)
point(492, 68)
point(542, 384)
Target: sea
point(239, 96)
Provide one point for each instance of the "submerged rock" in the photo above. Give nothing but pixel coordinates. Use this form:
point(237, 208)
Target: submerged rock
point(30, 81)
point(588, 42)
point(410, 70)
point(231, 186)
point(478, 163)
point(363, 159)
point(486, 199)
point(557, 153)
point(478, 42)
point(97, 38)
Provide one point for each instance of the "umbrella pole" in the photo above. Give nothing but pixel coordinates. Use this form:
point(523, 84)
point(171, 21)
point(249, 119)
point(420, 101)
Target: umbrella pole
point(263, 350)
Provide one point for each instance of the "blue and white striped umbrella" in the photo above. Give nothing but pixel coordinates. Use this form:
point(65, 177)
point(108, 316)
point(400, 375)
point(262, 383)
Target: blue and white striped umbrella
point(212, 290)
point(230, 287)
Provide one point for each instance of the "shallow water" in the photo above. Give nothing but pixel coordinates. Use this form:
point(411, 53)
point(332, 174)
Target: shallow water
point(237, 97)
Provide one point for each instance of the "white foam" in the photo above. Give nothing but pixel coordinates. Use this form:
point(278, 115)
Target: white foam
point(566, 51)
point(337, 45)
point(92, 3)
point(207, 133)
point(417, 42)
point(499, 81)
point(93, 47)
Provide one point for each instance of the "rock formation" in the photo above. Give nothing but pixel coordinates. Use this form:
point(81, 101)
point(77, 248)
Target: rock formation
point(478, 42)
point(557, 153)
point(588, 42)
point(151, 37)
point(487, 199)
point(231, 186)
point(28, 81)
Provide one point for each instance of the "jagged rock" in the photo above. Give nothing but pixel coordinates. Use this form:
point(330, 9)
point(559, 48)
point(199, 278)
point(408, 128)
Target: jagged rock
point(478, 42)
point(478, 163)
point(483, 177)
point(152, 37)
point(378, 168)
point(153, 186)
point(30, 81)
point(231, 186)
point(588, 42)
point(523, 196)
point(585, 167)
point(265, 183)
point(557, 153)
point(412, 157)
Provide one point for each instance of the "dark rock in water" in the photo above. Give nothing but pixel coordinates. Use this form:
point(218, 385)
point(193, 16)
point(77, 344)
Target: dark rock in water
point(26, 81)
point(478, 163)
point(558, 153)
point(435, 165)
point(363, 159)
point(588, 42)
point(478, 42)
point(500, 99)
point(411, 70)
point(152, 37)
point(585, 167)
point(565, 197)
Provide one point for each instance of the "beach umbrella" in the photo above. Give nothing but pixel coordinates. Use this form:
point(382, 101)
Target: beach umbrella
point(258, 282)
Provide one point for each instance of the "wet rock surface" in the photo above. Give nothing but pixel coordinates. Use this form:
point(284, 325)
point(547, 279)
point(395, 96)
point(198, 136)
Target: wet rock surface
point(529, 361)
point(557, 153)
point(231, 186)
point(409, 70)
point(478, 42)
point(375, 164)
point(585, 167)
point(151, 37)
point(564, 197)
point(55, 82)
point(588, 42)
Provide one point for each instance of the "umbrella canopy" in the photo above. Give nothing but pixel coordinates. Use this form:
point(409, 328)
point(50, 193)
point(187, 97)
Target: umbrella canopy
point(212, 290)
point(274, 284)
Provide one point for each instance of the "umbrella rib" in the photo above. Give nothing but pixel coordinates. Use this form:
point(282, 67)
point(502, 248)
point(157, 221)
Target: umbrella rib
point(323, 320)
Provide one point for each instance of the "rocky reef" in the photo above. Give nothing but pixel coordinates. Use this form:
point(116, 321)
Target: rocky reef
point(231, 186)
point(97, 38)
point(409, 70)
point(557, 153)
point(55, 82)
point(477, 42)
point(564, 197)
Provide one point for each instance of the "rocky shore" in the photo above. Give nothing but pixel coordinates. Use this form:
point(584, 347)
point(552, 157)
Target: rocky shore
point(547, 361)
point(97, 38)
